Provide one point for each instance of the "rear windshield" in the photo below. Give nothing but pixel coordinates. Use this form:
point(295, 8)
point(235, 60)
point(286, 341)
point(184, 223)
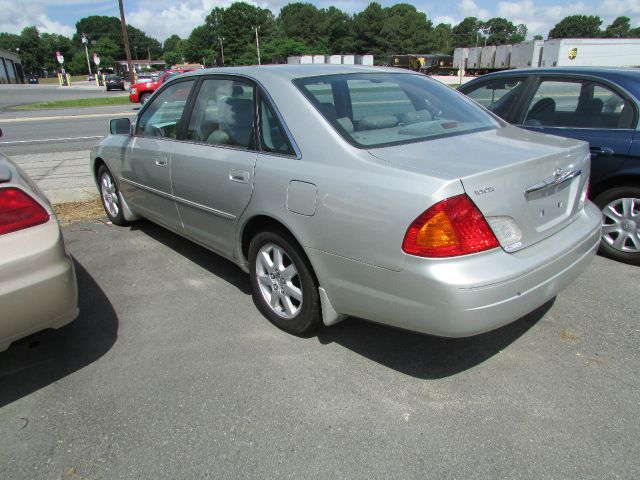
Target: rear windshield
point(383, 109)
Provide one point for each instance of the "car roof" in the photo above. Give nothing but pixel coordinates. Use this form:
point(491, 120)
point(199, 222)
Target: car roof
point(290, 72)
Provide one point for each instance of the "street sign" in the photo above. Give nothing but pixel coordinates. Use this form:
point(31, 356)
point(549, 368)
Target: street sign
point(60, 58)
point(96, 59)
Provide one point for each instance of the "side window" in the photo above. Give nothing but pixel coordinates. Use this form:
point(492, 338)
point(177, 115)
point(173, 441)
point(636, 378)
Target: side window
point(555, 103)
point(223, 114)
point(498, 95)
point(162, 117)
point(616, 112)
point(272, 136)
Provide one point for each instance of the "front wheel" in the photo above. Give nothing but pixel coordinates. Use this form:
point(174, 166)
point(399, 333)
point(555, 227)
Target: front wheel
point(144, 97)
point(109, 195)
point(620, 223)
point(283, 285)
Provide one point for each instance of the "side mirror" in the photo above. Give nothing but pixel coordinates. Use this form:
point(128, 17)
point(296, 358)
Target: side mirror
point(120, 126)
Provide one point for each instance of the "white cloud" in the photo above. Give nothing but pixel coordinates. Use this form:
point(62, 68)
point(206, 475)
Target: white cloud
point(469, 8)
point(445, 19)
point(14, 17)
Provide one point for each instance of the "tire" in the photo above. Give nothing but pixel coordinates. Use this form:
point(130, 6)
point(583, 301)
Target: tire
point(144, 97)
point(109, 196)
point(620, 208)
point(283, 286)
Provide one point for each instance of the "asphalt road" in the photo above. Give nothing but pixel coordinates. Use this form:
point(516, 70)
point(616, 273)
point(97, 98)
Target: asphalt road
point(171, 372)
point(59, 130)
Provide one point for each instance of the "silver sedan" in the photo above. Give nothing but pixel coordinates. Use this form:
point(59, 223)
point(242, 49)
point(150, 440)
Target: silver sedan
point(356, 191)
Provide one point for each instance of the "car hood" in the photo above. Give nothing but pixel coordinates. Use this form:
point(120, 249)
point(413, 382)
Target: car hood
point(144, 84)
point(526, 184)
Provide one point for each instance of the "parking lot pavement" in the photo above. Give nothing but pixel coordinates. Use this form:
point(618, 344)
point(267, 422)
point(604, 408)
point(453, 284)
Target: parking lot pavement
point(170, 372)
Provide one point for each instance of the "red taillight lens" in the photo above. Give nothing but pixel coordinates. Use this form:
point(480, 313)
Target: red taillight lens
point(18, 211)
point(450, 228)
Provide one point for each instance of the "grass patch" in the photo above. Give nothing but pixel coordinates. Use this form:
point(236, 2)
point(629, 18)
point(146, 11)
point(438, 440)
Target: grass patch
point(75, 103)
point(75, 211)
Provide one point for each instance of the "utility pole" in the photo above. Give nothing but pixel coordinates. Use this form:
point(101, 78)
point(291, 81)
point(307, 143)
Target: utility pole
point(222, 49)
point(85, 41)
point(125, 38)
point(257, 44)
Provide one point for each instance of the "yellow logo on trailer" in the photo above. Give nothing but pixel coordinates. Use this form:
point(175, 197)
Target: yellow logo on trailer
point(573, 53)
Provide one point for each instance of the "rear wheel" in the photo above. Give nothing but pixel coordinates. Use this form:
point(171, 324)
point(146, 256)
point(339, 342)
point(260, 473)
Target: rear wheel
point(109, 196)
point(283, 285)
point(620, 223)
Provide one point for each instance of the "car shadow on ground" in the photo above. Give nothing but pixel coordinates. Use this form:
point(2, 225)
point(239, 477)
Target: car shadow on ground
point(210, 261)
point(425, 356)
point(45, 357)
point(414, 354)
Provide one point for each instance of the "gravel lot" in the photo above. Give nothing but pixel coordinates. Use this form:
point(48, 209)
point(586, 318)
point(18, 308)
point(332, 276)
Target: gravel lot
point(170, 372)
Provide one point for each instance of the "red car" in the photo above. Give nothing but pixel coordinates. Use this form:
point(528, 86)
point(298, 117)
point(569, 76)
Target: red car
point(140, 92)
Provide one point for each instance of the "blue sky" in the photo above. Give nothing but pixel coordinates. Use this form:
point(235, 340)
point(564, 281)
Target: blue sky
point(161, 18)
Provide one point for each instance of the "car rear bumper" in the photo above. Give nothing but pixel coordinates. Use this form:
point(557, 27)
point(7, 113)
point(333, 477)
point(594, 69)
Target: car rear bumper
point(462, 296)
point(38, 287)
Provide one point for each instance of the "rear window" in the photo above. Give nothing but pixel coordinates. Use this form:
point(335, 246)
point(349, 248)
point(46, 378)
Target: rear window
point(383, 109)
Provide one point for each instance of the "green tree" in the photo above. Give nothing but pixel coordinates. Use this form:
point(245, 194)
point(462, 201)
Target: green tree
point(468, 33)
point(279, 48)
point(441, 39)
point(338, 31)
point(32, 52)
point(303, 22)
point(367, 28)
point(107, 50)
point(619, 28)
point(52, 43)
point(500, 31)
point(405, 30)
point(577, 26)
point(538, 36)
point(9, 41)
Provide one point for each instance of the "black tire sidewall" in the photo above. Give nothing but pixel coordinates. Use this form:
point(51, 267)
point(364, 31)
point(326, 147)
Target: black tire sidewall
point(604, 199)
point(118, 219)
point(144, 97)
point(308, 318)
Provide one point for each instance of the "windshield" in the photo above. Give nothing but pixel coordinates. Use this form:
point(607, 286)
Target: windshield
point(383, 109)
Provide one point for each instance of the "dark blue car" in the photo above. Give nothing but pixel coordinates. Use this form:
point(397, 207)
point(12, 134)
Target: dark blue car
point(598, 105)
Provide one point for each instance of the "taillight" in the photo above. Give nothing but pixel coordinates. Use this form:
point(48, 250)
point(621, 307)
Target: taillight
point(18, 211)
point(449, 228)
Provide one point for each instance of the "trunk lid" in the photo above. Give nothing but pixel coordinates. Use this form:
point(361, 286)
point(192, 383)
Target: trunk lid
point(528, 186)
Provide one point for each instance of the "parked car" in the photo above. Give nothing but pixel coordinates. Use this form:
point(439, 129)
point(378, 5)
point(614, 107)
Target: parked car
point(140, 91)
point(114, 82)
point(357, 191)
point(598, 105)
point(38, 287)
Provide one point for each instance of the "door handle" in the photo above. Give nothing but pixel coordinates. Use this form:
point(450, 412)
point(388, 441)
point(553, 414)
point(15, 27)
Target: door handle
point(595, 151)
point(162, 161)
point(239, 176)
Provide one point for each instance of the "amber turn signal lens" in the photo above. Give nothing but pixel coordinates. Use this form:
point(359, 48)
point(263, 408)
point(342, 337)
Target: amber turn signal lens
point(449, 228)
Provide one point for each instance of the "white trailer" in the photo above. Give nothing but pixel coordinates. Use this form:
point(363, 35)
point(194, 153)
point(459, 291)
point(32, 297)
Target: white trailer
point(333, 59)
point(306, 59)
point(487, 57)
point(293, 60)
point(460, 56)
point(318, 59)
point(503, 57)
point(348, 60)
point(591, 52)
point(526, 54)
point(366, 60)
point(473, 60)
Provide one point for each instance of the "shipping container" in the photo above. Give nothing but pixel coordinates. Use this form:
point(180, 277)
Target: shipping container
point(503, 57)
point(487, 57)
point(318, 59)
point(526, 54)
point(333, 59)
point(591, 52)
point(293, 60)
point(306, 59)
point(348, 60)
point(473, 60)
point(460, 56)
point(364, 60)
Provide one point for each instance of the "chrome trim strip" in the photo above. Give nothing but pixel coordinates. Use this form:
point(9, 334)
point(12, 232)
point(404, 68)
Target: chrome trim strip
point(553, 181)
point(189, 203)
